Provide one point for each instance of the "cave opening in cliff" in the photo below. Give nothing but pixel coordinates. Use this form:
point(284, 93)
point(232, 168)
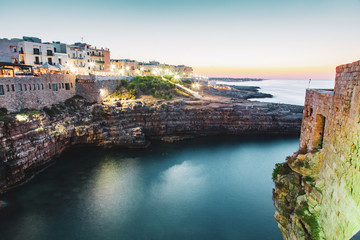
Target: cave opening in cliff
point(319, 131)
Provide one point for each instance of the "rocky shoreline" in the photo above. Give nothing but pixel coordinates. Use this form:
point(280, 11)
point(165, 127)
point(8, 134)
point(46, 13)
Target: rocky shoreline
point(30, 143)
point(240, 92)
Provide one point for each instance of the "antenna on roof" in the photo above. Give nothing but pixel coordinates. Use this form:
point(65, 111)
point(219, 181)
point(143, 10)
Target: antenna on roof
point(309, 83)
point(82, 39)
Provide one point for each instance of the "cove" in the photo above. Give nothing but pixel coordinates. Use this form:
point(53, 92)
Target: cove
point(202, 188)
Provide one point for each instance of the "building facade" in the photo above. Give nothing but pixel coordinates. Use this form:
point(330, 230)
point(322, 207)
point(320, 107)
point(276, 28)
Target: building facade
point(18, 93)
point(33, 52)
point(9, 51)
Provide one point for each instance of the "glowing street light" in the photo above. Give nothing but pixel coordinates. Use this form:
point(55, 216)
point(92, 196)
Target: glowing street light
point(195, 86)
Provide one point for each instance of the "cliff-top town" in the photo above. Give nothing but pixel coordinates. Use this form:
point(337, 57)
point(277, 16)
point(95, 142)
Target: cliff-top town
point(18, 56)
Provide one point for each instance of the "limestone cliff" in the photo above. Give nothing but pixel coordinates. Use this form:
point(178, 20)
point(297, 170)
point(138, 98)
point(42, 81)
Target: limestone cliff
point(317, 191)
point(29, 141)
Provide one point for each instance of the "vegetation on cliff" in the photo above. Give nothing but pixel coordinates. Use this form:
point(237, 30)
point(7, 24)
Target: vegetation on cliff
point(294, 195)
point(148, 85)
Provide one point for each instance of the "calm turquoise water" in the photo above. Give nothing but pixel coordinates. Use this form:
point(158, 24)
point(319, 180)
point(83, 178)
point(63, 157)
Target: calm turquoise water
point(205, 188)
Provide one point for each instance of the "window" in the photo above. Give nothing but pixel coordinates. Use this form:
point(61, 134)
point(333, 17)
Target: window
point(71, 85)
point(49, 86)
point(7, 88)
point(2, 90)
point(67, 86)
point(36, 51)
point(13, 87)
point(54, 87)
point(20, 87)
point(62, 85)
point(34, 87)
point(42, 86)
point(50, 61)
point(29, 87)
point(25, 88)
point(38, 86)
point(59, 86)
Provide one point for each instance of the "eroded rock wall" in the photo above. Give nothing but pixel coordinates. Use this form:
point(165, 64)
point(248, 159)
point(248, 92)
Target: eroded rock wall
point(29, 145)
point(317, 193)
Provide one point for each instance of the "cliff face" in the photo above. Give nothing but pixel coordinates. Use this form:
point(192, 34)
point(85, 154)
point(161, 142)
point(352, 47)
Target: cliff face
point(317, 191)
point(29, 142)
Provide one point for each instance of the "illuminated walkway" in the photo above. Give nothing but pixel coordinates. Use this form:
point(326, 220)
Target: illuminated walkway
point(187, 90)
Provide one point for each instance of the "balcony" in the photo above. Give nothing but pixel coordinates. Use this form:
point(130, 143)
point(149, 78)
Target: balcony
point(37, 63)
point(36, 52)
point(22, 62)
point(21, 52)
point(74, 57)
point(50, 54)
point(96, 55)
point(100, 62)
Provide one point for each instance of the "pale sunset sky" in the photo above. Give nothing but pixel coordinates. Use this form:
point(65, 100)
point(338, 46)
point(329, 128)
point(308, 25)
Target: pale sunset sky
point(283, 39)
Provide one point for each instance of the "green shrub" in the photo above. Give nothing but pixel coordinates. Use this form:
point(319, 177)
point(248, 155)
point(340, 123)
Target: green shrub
point(150, 85)
point(282, 169)
point(173, 80)
point(310, 219)
point(124, 83)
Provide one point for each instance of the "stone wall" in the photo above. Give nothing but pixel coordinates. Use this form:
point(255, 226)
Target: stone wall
point(319, 197)
point(35, 92)
point(317, 102)
point(96, 88)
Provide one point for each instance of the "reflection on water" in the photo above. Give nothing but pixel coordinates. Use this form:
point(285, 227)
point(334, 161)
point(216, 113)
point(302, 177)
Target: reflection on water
point(181, 183)
point(206, 188)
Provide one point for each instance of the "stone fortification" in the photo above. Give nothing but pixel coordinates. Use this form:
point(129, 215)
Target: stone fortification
point(95, 88)
point(317, 191)
point(18, 93)
point(29, 145)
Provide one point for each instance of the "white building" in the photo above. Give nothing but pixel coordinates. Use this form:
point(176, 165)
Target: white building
point(33, 52)
point(79, 59)
point(60, 54)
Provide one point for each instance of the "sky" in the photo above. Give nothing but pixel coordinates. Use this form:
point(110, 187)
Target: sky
point(281, 39)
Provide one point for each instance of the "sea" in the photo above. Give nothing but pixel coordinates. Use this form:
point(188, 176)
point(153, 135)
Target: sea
point(209, 188)
point(285, 91)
